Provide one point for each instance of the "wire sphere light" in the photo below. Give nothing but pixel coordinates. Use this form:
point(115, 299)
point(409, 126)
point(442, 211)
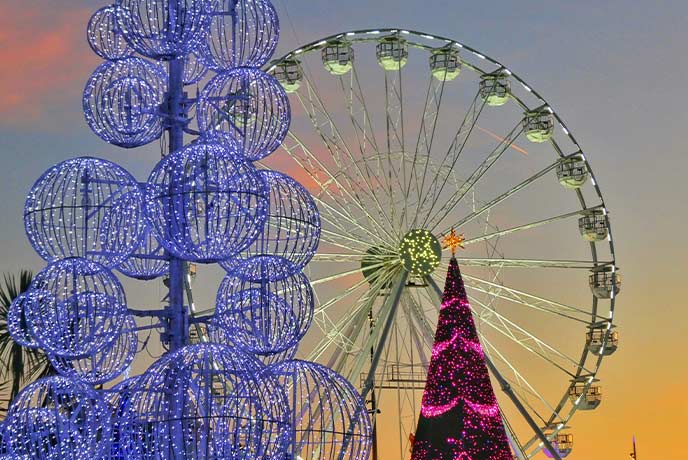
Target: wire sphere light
point(116, 399)
point(205, 203)
point(262, 315)
point(219, 335)
point(243, 33)
point(56, 418)
point(122, 100)
point(105, 37)
point(103, 365)
point(67, 207)
point(16, 319)
point(206, 401)
point(330, 419)
point(249, 105)
point(292, 228)
point(148, 261)
point(194, 68)
point(82, 312)
point(164, 29)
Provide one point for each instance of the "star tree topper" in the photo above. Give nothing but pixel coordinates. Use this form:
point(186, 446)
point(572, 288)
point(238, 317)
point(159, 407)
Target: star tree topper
point(453, 241)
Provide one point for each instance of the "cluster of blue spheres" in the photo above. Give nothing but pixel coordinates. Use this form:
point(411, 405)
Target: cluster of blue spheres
point(240, 395)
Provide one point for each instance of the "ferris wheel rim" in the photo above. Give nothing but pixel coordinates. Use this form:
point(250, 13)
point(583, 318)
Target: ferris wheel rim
point(374, 35)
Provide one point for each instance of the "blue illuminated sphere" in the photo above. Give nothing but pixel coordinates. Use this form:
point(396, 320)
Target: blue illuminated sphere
point(122, 100)
point(99, 367)
point(164, 29)
point(292, 227)
point(204, 203)
point(220, 402)
point(71, 211)
point(262, 315)
point(57, 418)
point(217, 334)
point(243, 33)
point(105, 37)
point(116, 398)
point(148, 261)
point(248, 105)
point(16, 318)
point(329, 417)
point(194, 68)
point(80, 308)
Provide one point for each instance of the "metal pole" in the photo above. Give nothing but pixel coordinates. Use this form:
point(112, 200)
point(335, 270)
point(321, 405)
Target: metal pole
point(373, 400)
point(506, 388)
point(368, 384)
point(177, 330)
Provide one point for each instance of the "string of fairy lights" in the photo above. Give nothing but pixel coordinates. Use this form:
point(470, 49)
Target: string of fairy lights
point(204, 202)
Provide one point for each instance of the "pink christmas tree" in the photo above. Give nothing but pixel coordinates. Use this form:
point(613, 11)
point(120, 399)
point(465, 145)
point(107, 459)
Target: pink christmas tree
point(460, 418)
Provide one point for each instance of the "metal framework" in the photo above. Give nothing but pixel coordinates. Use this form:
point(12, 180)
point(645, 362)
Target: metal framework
point(121, 101)
point(400, 159)
point(204, 202)
point(246, 104)
point(262, 312)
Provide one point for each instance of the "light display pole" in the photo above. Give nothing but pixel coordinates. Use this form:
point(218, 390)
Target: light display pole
point(204, 202)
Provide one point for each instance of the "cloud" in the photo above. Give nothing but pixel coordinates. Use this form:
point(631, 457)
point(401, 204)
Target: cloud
point(43, 60)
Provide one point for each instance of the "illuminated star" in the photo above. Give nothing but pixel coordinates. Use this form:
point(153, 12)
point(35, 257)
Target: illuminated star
point(453, 241)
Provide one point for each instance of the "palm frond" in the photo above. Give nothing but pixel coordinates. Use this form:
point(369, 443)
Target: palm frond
point(19, 365)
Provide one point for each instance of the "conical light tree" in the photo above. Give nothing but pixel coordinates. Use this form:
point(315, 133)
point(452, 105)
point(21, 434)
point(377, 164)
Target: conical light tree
point(460, 418)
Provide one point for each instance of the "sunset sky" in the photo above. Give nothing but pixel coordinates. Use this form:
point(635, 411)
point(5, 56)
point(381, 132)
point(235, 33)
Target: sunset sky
point(614, 69)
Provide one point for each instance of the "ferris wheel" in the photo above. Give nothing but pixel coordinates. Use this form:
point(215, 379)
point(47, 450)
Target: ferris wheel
point(403, 137)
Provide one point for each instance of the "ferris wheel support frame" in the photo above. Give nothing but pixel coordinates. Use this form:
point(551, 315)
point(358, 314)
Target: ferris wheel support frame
point(506, 388)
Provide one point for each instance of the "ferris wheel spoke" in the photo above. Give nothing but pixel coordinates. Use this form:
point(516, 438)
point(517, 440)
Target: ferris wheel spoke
point(513, 439)
point(394, 111)
point(312, 165)
point(341, 333)
point(414, 313)
point(323, 257)
point(377, 338)
point(521, 228)
point(347, 242)
point(323, 307)
point(365, 135)
point(395, 137)
point(451, 157)
point(433, 219)
point(428, 331)
point(338, 334)
point(527, 300)
point(338, 240)
point(355, 271)
point(529, 263)
point(337, 146)
point(364, 128)
point(488, 206)
point(426, 135)
point(521, 386)
point(523, 338)
point(341, 357)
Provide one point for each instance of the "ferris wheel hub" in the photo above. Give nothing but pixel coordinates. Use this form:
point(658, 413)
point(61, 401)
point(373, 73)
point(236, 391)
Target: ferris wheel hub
point(420, 252)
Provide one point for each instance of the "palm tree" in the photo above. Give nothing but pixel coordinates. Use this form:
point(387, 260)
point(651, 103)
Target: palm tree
point(19, 365)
